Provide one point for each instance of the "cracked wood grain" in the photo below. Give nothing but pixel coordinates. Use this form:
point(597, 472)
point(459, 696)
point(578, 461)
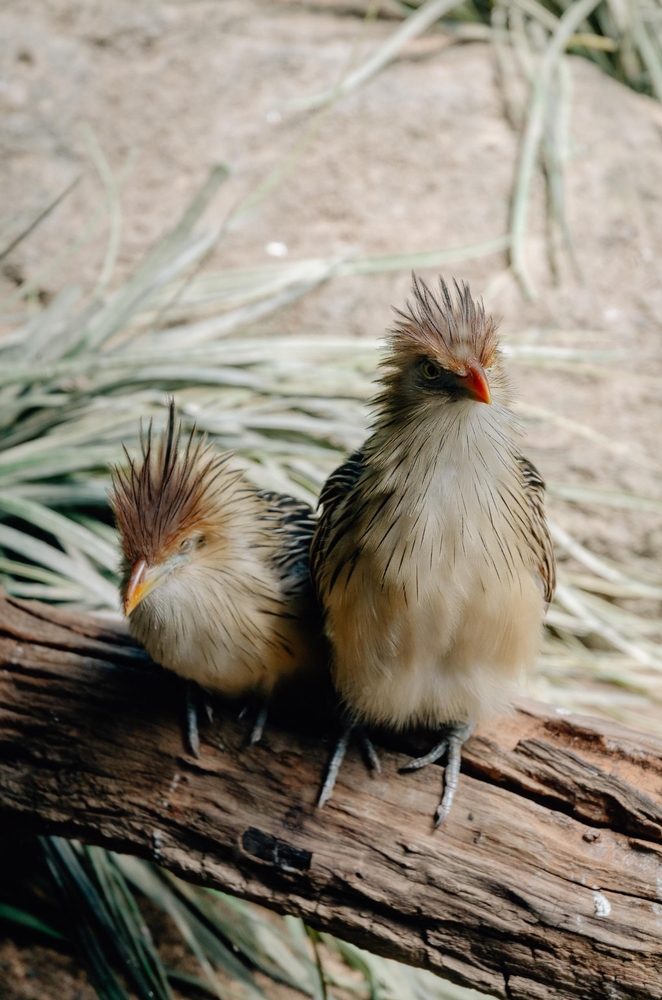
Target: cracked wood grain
point(545, 882)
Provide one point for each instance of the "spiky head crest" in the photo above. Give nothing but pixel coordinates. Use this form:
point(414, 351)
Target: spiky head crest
point(169, 491)
point(448, 328)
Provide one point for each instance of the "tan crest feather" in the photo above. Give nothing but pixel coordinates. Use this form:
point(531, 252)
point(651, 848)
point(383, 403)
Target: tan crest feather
point(169, 491)
point(448, 328)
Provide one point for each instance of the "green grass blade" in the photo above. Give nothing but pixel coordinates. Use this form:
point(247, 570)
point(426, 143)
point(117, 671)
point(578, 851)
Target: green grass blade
point(244, 932)
point(103, 591)
point(39, 218)
point(578, 493)
point(14, 915)
point(417, 22)
point(198, 938)
point(63, 528)
point(80, 902)
point(138, 946)
point(529, 151)
point(142, 284)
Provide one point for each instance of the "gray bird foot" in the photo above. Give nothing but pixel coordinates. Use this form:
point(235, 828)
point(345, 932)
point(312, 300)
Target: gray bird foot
point(191, 727)
point(196, 697)
point(456, 736)
point(258, 725)
point(349, 729)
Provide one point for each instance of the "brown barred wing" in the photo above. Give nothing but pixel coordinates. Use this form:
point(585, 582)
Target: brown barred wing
point(332, 520)
point(293, 526)
point(541, 541)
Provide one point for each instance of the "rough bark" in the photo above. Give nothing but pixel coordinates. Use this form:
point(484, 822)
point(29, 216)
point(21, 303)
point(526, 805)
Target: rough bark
point(546, 881)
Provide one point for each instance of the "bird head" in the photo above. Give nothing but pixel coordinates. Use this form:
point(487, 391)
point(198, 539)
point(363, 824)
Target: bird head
point(443, 349)
point(168, 506)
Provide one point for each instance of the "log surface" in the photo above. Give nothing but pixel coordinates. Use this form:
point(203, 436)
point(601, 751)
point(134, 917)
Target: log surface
point(545, 882)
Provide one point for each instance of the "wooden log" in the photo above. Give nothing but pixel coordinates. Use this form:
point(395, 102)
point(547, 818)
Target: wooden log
point(546, 881)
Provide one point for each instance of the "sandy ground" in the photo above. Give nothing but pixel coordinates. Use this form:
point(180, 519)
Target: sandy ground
point(422, 157)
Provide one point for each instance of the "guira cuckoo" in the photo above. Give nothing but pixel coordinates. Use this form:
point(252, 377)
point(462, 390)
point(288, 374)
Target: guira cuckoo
point(215, 575)
point(432, 558)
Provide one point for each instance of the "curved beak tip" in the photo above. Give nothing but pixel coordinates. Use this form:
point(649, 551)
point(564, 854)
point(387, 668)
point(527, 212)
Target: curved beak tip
point(129, 605)
point(136, 588)
point(477, 384)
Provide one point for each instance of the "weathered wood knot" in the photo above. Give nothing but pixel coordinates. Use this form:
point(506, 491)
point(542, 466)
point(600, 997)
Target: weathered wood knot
point(277, 852)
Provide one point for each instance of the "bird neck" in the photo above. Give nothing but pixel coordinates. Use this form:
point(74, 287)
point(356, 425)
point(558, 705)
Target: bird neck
point(456, 442)
point(442, 493)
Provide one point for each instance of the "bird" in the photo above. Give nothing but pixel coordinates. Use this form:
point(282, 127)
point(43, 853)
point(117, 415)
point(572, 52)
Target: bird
point(432, 559)
point(215, 577)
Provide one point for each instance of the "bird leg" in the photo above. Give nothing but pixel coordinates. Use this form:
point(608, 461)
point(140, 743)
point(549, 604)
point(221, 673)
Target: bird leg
point(369, 751)
point(207, 705)
point(349, 728)
point(259, 722)
point(196, 697)
point(337, 758)
point(456, 736)
point(456, 740)
point(429, 758)
point(191, 719)
point(258, 725)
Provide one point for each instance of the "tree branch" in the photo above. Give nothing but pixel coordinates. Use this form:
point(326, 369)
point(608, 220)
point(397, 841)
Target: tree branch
point(546, 881)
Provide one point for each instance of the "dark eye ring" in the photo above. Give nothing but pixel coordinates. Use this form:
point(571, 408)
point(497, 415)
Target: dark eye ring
point(430, 369)
point(186, 545)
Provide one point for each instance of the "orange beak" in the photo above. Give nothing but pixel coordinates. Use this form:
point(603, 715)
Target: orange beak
point(138, 587)
point(476, 384)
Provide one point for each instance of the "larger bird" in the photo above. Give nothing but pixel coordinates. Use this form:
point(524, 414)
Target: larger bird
point(432, 558)
point(216, 579)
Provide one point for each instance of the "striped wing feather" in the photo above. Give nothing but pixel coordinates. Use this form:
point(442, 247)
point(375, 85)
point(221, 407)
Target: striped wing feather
point(541, 541)
point(293, 525)
point(329, 527)
point(340, 482)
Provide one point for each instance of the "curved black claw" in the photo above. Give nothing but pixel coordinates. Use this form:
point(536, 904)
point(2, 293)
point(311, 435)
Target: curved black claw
point(456, 736)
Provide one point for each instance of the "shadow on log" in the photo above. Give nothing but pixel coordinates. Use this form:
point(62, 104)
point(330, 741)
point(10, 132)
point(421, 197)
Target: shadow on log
point(546, 881)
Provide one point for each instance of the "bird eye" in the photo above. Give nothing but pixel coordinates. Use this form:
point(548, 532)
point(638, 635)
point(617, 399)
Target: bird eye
point(195, 541)
point(430, 369)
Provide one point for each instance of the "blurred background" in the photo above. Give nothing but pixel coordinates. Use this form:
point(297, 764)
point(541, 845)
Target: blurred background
point(224, 199)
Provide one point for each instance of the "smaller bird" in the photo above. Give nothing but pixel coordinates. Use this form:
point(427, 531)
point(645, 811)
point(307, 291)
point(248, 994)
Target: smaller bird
point(432, 559)
point(215, 572)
